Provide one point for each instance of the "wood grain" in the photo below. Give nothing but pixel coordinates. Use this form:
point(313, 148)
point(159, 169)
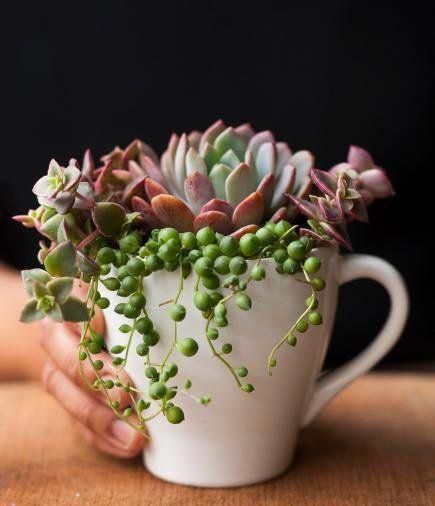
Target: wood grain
point(374, 445)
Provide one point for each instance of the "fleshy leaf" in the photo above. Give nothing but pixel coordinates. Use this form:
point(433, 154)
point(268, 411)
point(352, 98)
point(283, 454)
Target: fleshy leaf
point(173, 212)
point(51, 227)
point(152, 188)
point(146, 211)
point(167, 163)
point(325, 181)
point(248, 229)
point(283, 155)
point(84, 196)
point(211, 133)
point(153, 170)
point(194, 163)
point(31, 275)
point(259, 139)
point(265, 160)
point(377, 183)
point(304, 206)
point(266, 188)
point(86, 264)
point(229, 139)
point(358, 211)
point(240, 183)
point(218, 175)
point(71, 176)
point(283, 185)
point(74, 310)
point(60, 288)
point(26, 220)
point(194, 139)
point(279, 214)
point(304, 188)
point(88, 165)
point(145, 150)
point(249, 211)
point(199, 190)
point(39, 289)
point(108, 218)
point(134, 171)
point(245, 131)
point(338, 233)
point(230, 159)
point(218, 205)
point(219, 222)
point(180, 163)
point(210, 155)
point(359, 159)
point(64, 201)
point(136, 187)
point(62, 261)
point(303, 162)
point(30, 313)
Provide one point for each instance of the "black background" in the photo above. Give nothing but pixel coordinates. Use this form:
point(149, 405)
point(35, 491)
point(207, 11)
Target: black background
point(102, 73)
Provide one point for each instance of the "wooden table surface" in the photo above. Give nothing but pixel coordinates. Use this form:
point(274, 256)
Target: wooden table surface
point(373, 445)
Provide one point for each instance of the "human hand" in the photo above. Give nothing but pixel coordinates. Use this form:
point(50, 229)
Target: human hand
point(93, 418)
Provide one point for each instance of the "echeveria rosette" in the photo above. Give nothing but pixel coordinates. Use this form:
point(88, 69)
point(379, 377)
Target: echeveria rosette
point(226, 173)
point(369, 179)
point(51, 296)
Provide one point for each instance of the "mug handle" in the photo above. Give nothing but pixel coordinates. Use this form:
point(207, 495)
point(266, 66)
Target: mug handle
point(352, 267)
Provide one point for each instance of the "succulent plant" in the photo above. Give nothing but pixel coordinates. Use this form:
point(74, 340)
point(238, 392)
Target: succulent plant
point(230, 178)
point(115, 224)
point(51, 296)
point(370, 180)
point(345, 191)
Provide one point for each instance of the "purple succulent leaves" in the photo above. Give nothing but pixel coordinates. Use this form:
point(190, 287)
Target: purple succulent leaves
point(369, 179)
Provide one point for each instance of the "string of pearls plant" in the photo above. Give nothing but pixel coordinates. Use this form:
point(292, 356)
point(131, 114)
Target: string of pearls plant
point(220, 265)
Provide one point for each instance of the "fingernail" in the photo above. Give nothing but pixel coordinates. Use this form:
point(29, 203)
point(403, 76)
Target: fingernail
point(123, 433)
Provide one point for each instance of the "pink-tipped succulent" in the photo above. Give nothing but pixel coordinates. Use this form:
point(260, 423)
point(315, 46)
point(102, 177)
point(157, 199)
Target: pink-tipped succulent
point(345, 191)
point(233, 177)
point(370, 180)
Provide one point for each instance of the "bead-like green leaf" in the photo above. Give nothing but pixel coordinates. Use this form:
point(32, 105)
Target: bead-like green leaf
point(62, 261)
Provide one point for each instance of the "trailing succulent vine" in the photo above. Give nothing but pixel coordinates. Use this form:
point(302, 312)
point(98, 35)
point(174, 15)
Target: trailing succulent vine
point(214, 207)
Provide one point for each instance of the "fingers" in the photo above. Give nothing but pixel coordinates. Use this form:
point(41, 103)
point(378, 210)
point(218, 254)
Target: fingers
point(61, 346)
point(97, 423)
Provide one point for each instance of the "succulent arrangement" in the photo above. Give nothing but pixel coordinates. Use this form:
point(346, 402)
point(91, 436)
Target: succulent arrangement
point(213, 202)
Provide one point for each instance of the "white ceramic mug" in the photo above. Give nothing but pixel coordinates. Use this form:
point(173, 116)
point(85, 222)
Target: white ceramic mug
point(241, 438)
